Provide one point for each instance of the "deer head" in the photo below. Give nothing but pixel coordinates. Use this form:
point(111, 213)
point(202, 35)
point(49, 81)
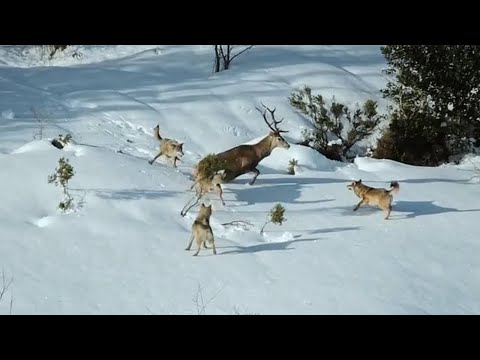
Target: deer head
point(275, 134)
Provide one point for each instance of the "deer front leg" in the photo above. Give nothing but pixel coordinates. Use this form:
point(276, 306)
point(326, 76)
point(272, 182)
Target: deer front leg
point(257, 172)
point(155, 158)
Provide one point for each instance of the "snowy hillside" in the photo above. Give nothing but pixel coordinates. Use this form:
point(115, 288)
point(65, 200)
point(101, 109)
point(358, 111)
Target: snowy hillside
point(123, 250)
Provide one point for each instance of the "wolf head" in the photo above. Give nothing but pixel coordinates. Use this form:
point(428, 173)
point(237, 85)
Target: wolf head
point(354, 184)
point(205, 211)
point(179, 149)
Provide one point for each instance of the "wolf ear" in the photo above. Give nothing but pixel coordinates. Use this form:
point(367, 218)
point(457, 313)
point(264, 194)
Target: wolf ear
point(203, 205)
point(360, 181)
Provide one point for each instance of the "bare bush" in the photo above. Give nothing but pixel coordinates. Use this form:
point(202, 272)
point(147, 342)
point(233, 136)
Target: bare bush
point(200, 303)
point(5, 285)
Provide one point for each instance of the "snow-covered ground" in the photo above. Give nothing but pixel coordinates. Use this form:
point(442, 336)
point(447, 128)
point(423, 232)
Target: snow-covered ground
point(123, 250)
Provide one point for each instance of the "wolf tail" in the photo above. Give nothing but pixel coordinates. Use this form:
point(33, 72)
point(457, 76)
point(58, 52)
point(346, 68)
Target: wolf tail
point(395, 187)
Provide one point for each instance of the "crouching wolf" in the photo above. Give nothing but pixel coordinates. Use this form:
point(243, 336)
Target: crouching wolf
point(202, 231)
point(172, 149)
point(374, 196)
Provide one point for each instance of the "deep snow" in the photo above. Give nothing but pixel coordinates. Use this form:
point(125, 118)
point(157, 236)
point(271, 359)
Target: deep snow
point(122, 250)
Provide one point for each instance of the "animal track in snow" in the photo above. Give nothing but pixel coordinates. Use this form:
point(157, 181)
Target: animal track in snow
point(232, 129)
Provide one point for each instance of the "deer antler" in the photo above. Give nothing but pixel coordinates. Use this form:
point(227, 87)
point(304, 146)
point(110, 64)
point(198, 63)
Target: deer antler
point(275, 122)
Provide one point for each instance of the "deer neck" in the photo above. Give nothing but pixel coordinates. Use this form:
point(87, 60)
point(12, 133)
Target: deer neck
point(264, 147)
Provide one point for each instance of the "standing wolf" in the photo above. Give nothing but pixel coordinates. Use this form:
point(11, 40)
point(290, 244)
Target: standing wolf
point(202, 231)
point(374, 196)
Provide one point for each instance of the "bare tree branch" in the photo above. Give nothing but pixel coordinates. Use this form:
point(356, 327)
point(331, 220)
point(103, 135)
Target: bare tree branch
point(237, 222)
point(5, 285)
point(224, 56)
point(216, 64)
point(229, 51)
point(243, 224)
point(11, 304)
point(241, 52)
point(220, 51)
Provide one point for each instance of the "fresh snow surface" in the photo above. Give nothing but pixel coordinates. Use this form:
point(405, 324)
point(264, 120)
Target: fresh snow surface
point(122, 251)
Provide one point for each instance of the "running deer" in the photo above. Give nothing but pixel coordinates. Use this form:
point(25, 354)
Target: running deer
point(244, 159)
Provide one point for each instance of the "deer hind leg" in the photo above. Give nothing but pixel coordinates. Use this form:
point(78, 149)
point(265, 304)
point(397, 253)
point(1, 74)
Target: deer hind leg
point(155, 158)
point(185, 210)
point(218, 187)
point(195, 184)
point(257, 172)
